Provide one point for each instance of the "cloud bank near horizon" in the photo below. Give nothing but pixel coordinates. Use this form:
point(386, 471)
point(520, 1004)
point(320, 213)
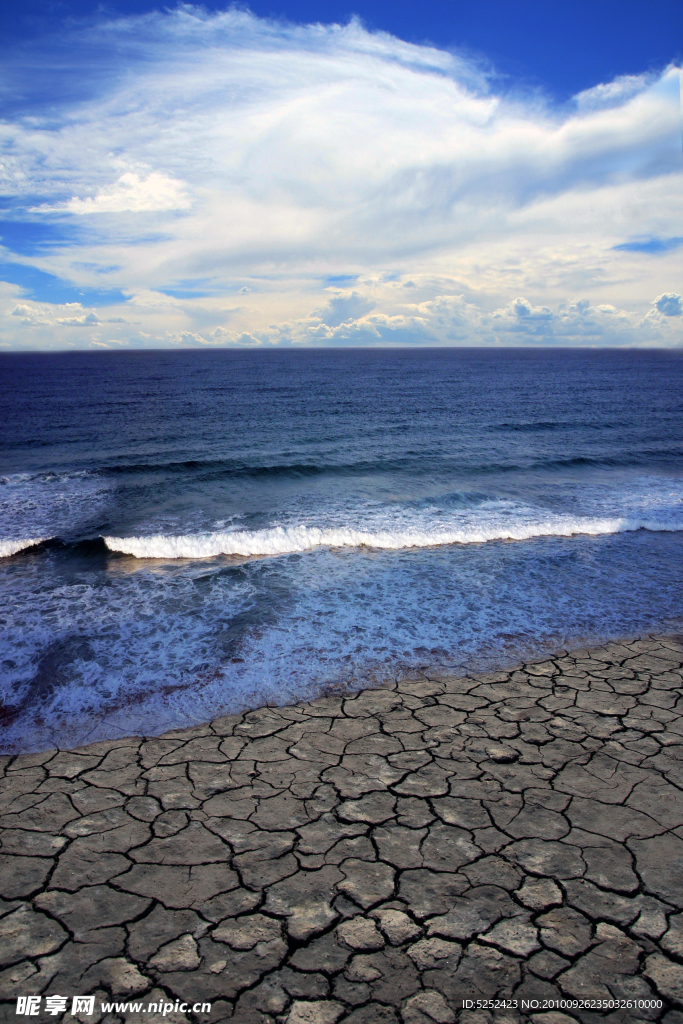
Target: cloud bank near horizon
point(219, 179)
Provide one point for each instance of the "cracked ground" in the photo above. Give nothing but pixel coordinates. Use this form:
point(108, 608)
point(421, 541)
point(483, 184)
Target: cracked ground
point(371, 858)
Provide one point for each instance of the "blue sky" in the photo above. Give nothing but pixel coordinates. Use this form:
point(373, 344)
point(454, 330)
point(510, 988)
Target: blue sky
point(564, 46)
point(487, 173)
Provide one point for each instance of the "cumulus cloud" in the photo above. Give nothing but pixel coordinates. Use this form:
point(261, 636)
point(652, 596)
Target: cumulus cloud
point(669, 304)
point(453, 320)
point(129, 194)
point(260, 159)
point(134, 194)
point(26, 312)
point(190, 340)
point(87, 320)
point(344, 307)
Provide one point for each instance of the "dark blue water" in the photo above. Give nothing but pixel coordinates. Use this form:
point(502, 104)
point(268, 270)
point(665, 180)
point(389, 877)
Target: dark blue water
point(185, 533)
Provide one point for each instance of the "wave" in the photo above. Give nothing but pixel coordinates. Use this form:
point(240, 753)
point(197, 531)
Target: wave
point(297, 539)
point(413, 463)
point(13, 545)
point(47, 476)
point(216, 468)
point(217, 465)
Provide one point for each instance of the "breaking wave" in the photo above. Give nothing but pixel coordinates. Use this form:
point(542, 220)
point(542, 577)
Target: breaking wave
point(295, 539)
point(13, 546)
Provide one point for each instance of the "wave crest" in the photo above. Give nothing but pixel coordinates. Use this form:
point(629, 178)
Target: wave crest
point(14, 545)
point(294, 539)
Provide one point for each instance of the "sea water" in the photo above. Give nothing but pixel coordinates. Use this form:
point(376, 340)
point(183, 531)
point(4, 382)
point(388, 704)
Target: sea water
point(189, 533)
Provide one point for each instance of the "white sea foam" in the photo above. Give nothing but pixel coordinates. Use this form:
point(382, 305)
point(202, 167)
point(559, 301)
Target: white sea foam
point(293, 539)
point(12, 545)
point(149, 650)
point(37, 506)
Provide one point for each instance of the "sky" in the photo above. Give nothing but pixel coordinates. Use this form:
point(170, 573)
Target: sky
point(300, 173)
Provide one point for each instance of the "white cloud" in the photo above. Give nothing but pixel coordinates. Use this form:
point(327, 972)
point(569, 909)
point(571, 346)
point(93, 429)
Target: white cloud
point(609, 94)
point(87, 320)
point(129, 194)
point(247, 157)
point(135, 194)
point(344, 307)
point(26, 312)
point(452, 319)
point(669, 304)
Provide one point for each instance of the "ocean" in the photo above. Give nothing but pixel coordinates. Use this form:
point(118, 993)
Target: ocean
point(189, 533)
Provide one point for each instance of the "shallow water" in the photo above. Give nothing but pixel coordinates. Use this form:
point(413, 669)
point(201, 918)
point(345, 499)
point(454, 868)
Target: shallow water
point(189, 533)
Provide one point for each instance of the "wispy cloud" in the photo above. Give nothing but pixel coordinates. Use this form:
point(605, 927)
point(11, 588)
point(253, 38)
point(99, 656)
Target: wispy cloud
point(246, 181)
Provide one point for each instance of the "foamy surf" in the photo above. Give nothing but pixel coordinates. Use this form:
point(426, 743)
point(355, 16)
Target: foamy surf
point(298, 539)
point(14, 545)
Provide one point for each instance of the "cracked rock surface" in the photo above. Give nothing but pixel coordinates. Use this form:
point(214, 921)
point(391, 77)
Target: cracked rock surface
point(371, 857)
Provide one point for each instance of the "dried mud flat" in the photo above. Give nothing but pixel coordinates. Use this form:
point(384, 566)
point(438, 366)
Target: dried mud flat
point(375, 858)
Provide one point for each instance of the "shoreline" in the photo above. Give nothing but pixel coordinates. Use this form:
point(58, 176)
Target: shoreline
point(375, 856)
point(117, 723)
